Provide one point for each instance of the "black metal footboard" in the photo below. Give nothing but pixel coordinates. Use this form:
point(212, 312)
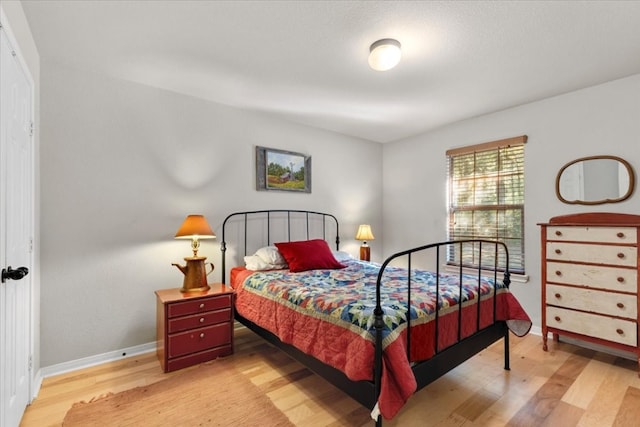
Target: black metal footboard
point(446, 359)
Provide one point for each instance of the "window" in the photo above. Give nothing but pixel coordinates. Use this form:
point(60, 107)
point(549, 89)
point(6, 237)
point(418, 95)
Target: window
point(486, 201)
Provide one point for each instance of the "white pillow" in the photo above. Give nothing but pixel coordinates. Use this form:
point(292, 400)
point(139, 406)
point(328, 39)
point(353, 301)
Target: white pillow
point(341, 256)
point(255, 263)
point(271, 255)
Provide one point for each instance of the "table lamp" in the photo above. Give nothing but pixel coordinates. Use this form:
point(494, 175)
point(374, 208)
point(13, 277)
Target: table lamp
point(195, 227)
point(364, 234)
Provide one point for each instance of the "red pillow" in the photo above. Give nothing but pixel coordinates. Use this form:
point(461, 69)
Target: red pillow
point(308, 255)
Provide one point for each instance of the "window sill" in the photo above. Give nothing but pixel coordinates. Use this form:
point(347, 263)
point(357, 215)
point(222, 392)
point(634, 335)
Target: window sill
point(517, 278)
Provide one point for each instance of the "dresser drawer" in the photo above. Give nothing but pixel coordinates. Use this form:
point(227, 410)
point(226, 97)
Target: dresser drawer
point(610, 303)
point(199, 305)
point(178, 324)
point(625, 235)
point(593, 276)
point(199, 339)
point(597, 254)
point(606, 328)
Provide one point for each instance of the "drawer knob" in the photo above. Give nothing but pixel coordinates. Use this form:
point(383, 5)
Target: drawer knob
point(621, 279)
point(557, 318)
point(202, 335)
point(620, 255)
point(202, 305)
point(620, 331)
point(620, 235)
point(620, 305)
point(558, 233)
point(201, 319)
point(558, 251)
point(558, 296)
point(558, 273)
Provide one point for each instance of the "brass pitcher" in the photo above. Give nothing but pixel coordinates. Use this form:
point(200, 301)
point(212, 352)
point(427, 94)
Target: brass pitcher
point(195, 274)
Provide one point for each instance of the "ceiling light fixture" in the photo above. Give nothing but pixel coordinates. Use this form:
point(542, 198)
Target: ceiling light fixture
point(384, 54)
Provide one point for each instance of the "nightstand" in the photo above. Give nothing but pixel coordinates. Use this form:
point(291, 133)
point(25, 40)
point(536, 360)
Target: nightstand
point(193, 327)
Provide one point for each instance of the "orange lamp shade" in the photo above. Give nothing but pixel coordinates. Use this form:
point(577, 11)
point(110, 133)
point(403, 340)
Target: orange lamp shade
point(195, 227)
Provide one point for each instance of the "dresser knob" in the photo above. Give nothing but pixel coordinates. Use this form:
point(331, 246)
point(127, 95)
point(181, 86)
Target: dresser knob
point(620, 331)
point(620, 305)
point(558, 273)
point(558, 296)
point(201, 319)
point(202, 335)
point(620, 235)
point(558, 233)
point(201, 305)
point(620, 279)
point(557, 318)
point(558, 251)
point(620, 255)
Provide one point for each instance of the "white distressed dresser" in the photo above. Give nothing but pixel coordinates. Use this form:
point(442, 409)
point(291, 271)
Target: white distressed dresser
point(590, 279)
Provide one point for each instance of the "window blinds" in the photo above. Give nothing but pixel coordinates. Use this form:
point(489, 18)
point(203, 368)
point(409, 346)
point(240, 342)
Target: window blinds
point(486, 201)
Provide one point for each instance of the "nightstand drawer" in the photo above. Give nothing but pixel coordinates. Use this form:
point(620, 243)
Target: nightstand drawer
point(199, 305)
point(199, 339)
point(594, 325)
point(198, 320)
point(596, 254)
point(610, 303)
point(200, 357)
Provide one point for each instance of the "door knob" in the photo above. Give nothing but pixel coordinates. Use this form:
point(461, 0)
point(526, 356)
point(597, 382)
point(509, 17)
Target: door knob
point(17, 274)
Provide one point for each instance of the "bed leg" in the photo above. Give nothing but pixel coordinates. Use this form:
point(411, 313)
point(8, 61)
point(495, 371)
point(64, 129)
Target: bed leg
point(506, 351)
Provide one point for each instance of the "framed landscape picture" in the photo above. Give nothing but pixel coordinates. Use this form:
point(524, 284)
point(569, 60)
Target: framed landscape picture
point(281, 170)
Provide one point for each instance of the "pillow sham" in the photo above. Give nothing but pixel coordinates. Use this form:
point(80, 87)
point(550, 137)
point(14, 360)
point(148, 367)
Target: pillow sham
point(342, 256)
point(255, 263)
point(308, 255)
point(271, 255)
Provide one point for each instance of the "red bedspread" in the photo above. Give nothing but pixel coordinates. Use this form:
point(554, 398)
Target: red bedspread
point(327, 321)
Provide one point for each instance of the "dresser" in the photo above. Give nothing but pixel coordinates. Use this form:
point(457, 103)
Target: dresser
point(590, 279)
point(193, 327)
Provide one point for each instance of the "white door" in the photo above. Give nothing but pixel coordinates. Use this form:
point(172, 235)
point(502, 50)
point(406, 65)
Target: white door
point(16, 231)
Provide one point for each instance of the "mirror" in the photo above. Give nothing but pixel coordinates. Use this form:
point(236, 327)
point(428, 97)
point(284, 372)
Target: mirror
point(595, 180)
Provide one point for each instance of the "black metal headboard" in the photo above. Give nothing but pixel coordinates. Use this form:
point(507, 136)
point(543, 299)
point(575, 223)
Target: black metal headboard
point(311, 225)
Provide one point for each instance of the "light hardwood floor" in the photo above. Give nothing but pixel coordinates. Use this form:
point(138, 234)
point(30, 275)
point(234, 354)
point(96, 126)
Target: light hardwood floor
point(567, 386)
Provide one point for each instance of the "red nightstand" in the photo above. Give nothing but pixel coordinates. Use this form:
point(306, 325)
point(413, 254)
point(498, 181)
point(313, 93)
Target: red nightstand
point(194, 327)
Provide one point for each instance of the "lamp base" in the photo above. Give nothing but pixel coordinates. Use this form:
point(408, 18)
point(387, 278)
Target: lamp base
point(365, 253)
point(200, 289)
point(195, 274)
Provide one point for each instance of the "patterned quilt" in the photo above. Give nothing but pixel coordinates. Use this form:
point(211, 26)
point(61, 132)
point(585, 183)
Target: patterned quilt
point(329, 314)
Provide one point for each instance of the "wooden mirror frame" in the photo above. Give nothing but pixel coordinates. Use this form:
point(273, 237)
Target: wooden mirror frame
point(626, 164)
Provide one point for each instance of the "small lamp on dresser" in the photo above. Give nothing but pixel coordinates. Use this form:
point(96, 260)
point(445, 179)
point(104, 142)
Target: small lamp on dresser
point(364, 233)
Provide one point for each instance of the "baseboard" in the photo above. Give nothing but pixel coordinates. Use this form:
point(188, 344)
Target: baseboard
point(36, 383)
point(86, 362)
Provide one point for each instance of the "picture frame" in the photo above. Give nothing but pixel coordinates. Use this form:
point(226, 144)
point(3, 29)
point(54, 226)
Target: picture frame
point(282, 170)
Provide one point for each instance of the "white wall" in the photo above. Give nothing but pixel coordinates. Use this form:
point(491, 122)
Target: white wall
point(599, 120)
point(123, 164)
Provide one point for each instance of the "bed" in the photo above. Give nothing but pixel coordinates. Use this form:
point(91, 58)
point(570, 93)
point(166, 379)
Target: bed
point(373, 330)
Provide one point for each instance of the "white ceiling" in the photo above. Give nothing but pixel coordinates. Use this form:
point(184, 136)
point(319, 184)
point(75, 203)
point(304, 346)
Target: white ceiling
point(306, 61)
